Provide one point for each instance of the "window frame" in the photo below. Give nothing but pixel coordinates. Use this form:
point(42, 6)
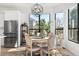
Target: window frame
point(39, 22)
point(60, 28)
point(75, 28)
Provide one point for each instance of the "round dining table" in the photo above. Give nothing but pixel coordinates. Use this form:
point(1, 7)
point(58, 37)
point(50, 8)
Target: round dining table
point(40, 41)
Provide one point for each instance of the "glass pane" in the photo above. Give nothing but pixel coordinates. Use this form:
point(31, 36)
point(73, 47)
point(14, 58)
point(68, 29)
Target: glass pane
point(59, 20)
point(59, 28)
point(59, 37)
point(73, 24)
point(73, 35)
point(44, 22)
point(59, 34)
point(73, 17)
point(34, 22)
point(39, 22)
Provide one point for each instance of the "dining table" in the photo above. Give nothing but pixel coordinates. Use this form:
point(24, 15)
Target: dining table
point(40, 41)
point(37, 38)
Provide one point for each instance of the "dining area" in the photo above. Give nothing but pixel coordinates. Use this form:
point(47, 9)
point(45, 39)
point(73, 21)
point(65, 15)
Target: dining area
point(37, 42)
point(33, 38)
point(41, 46)
point(37, 46)
point(34, 31)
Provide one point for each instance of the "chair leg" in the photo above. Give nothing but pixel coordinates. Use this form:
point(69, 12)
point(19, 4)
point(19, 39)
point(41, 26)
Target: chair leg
point(41, 53)
point(48, 53)
point(26, 53)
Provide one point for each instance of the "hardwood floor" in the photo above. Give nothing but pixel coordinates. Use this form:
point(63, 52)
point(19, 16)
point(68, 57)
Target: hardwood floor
point(65, 52)
point(4, 52)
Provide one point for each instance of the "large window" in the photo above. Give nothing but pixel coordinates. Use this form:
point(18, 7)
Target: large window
point(59, 27)
point(39, 25)
point(73, 23)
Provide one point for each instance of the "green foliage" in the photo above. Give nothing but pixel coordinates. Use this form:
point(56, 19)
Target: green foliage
point(73, 13)
point(43, 25)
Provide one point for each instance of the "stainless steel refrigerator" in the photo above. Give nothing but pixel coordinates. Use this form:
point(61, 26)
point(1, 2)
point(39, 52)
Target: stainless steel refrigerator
point(11, 33)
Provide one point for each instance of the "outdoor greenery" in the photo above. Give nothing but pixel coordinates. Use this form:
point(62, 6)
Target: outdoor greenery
point(73, 16)
point(43, 25)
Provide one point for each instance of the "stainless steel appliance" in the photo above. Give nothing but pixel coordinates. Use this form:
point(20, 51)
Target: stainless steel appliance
point(11, 31)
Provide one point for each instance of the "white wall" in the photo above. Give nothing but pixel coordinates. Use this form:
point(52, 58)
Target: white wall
point(73, 47)
point(11, 15)
point(1, 27)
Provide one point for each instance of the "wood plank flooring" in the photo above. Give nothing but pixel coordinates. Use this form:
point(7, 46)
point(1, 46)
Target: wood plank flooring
point(4, 52)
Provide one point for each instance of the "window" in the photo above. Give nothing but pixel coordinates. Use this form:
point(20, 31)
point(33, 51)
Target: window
point(59, 20)
point(59, 26)
point(39, 25)
point(73, 24)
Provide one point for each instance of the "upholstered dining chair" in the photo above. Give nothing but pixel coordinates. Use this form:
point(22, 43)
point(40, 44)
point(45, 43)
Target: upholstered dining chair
point(28, 44)
point(45, 45)
point(29, 47)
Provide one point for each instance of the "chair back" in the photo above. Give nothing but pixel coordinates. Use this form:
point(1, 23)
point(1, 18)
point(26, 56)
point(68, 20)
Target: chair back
point(49, 41)
point(28, 40)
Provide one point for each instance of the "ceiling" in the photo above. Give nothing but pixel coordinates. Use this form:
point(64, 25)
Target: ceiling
point(25, 5)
